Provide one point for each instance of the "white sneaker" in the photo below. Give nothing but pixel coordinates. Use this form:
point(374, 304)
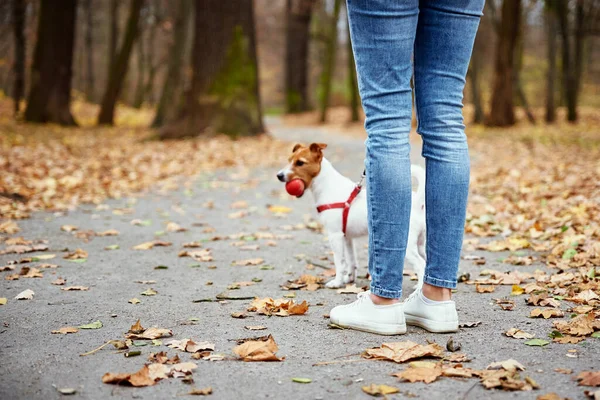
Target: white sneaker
point(364, 315)
point(437, 317)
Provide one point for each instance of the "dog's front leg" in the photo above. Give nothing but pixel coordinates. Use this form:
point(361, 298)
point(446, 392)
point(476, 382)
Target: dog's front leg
point(351, 261)
point(337, 243)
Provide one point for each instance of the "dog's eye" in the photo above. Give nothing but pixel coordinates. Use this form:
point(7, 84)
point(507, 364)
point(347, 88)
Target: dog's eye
point(299, 163)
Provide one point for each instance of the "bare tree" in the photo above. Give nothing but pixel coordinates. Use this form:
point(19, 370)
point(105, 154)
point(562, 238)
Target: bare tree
point(166, 106)
point(327, 74)
point(18, 13)
point(119, 67)
point(550, 18)
point(113, 37)
point(297, 33)
point(502, 105)
point(89, 48)
point(352, 82)
point(50, 95)
point(224, 94)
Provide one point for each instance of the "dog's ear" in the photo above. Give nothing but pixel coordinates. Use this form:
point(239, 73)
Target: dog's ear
point(296, 147)
point(317, 147)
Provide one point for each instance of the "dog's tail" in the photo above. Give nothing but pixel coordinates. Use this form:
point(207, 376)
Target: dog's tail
point(419, 174)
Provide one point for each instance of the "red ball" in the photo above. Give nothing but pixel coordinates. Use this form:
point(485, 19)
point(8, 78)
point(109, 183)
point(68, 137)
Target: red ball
point(295, 187)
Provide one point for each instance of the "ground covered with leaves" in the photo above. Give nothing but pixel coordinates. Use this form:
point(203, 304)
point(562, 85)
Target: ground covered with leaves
point(183, 268)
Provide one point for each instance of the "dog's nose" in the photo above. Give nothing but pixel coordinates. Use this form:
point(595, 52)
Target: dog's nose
point(280, 176)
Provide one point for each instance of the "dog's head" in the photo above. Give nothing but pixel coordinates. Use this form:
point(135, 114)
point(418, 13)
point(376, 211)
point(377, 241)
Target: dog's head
point(304, 164)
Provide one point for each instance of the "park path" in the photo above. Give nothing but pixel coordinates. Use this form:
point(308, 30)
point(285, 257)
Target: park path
point(34, 361)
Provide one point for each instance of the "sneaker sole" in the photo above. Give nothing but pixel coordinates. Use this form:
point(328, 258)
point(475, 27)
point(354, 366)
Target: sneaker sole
point(379, 329)
point(432, 326)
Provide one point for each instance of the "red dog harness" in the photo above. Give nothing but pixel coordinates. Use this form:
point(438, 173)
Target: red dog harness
point(346, 206)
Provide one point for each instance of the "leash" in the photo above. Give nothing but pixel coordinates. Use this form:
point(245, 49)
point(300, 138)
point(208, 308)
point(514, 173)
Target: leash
point(345, 205)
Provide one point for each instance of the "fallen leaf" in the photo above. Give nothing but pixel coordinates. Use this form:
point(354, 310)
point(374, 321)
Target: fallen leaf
point(279, 209)
point(150, 245)
point(546, 313)
point(91, 325)
point(403, 351)
point(201, 392)
point(110, 232)
point(3, 301)
point(255, 327)
point(302, 380)
point(379, 390)
point(518, 334)
point(68, 228)
point(517, 290)
point(78, 254)
point(469, 324)
point(66, 329)
point(140, 378)
point(251, 261)
point(66, 391)
point(9, 227)
point(149, 292)
point(537, 342)
point(150, 334)
point(25, 295)
point(258, 350)
point(506, 304)
point(74, 288)
point(589, 378)
point(484, 288)
point(59, 281)
point(419, 374)
point(350, 289)
point(568, 339)
point(134, 301)
point(174, 227)
point(190, 346)
point(581, 325)
point(507, 365)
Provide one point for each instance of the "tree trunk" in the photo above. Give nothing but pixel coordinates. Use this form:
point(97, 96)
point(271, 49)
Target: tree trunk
point(166, 108)
point(352, 82)
point(520, 93)
point(18, 9)
point(113, 36)
point(568, 69)
point(223, 96)
point(150, 54)
point(89, 51)
point(297, 34)
point(327, 74)
point(502, 107)
point(138, 98)
point(474, 70)
point(551, 52)
point(51, 72)
point(578, 61)
point(119, 67)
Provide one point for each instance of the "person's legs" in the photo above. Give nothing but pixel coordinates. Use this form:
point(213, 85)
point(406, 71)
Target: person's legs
point(445, 34)
point(383, 34)
point(443, 44)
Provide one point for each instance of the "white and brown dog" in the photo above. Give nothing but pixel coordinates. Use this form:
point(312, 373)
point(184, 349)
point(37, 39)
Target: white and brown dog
point(342, 207)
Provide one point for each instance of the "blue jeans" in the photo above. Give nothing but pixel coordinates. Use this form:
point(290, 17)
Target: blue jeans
point(391, 40)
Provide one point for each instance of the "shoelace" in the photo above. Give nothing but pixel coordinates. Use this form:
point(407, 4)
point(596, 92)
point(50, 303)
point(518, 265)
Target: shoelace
point(360, 297)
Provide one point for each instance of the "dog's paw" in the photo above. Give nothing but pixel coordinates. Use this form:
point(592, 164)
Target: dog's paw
point(335, 283)
point(349, 278)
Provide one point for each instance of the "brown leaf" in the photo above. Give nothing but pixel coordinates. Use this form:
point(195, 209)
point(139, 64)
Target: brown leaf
point(68, 228)
point(518, 334)
point(258, 350)
point(20, 249)
point(140, 378)
point(59, 281)
point(350, 289)
point(66, 329)
point(198, 255)
point(507, 365)
point(110, 232)
point(546, 313)
point(589, 378)
point(9, 227)
point(484, 288)
point(137, 328)
point(581, 325)
point(379, 390)
point(150, 245)
point(255, 327)
point(419, 374)
point(568, 339)
point(201, 392)
point(298, 309)
point(190, 346)
point(403, 351)
point(251, 261)
point(174, 227)
point(71, 288)
point(506, 304)
point(78, 254)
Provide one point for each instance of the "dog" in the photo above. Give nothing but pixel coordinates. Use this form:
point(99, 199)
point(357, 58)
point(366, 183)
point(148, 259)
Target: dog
point(342, 207)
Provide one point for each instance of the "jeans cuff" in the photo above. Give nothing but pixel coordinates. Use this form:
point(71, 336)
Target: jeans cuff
point(439, 282)
point(388, 294)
